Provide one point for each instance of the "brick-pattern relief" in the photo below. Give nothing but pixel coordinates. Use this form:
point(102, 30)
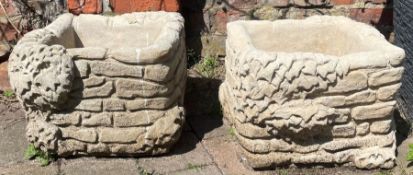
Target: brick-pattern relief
point(93, 101)
point(305, 108)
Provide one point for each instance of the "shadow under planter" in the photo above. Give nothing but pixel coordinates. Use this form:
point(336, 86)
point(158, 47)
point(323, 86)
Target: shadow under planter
point(95, 85)
point(313, 91)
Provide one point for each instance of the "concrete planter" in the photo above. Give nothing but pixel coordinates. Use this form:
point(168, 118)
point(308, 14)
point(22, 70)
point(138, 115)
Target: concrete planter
point(313, 91)
point(100, 85)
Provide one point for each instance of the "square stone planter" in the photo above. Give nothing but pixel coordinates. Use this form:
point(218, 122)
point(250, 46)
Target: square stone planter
point(313, 91)
point(96, 85)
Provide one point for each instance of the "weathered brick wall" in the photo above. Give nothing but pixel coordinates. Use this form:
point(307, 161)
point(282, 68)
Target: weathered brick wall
point(206, 19)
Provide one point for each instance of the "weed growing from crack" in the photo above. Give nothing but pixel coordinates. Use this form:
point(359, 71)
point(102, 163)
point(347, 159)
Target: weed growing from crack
point(42, 157)
point(8, 93)
point(191, 166)
point(231, 131)
point(207, 66)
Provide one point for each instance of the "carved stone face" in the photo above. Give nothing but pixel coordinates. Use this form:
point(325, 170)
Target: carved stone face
point(41, 75)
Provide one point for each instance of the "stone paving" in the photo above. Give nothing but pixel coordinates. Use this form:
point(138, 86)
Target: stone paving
point(207, 146)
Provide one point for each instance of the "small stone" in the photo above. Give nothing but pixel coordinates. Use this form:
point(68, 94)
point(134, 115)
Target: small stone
point(65, 119)
point(103, 91)
point(348, 130)
point(381, 127)
point(93, 81)
point(120, 135)
point(97, 148)
point(332, 101)
point(138, 118)
point(353, 81)
point(361, 98)
point(385, 76)
point(82, 68)
point(374, 111)
point(86, 135)
point(343, 116)
point(387, 93)
point(116, 69)
point(363, 128)
point(140, 88)
point(113, 105)
point(371, 141)
point(70, 146)
point(93, 105)
point(93, 120)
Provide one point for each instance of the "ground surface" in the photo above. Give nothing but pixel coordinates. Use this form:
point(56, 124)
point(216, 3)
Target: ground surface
point(206, 146)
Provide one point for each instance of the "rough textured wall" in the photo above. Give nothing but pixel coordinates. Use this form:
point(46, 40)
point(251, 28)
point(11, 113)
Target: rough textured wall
point(311, 108)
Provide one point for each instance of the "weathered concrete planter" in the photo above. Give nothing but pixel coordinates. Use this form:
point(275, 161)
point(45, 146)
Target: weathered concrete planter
point(313, 91)
point(103, 85)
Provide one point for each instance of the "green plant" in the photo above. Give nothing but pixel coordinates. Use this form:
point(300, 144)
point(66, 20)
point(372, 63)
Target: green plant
point(8, 93)
point(207, 66)
point(231, 131)
point(191, 166)
point(35, 153)
point(410, 153)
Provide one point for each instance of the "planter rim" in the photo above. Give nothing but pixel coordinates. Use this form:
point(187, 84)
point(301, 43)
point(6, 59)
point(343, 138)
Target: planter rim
point(382, 52)
point(156, 52)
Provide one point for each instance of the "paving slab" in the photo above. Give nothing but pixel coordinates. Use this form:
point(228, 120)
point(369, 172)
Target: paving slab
point(12, 134)
point(98, 166)
point(29, 168)
point(203, 170)
point(187, 153)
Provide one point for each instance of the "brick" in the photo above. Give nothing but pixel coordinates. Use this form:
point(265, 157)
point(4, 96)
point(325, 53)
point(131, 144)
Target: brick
point(375, 111)
point(4, 77)
point(127, 6)
point(374, 16)
point(129, 135)
point(84, 6)
point(221, 18)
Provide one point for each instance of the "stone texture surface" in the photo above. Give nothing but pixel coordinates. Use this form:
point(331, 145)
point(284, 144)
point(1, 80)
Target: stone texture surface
point(312, 101)
point(82, 96)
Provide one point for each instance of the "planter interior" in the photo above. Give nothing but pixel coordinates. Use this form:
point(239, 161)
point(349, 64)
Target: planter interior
point(96, 85)
point(313, 91)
